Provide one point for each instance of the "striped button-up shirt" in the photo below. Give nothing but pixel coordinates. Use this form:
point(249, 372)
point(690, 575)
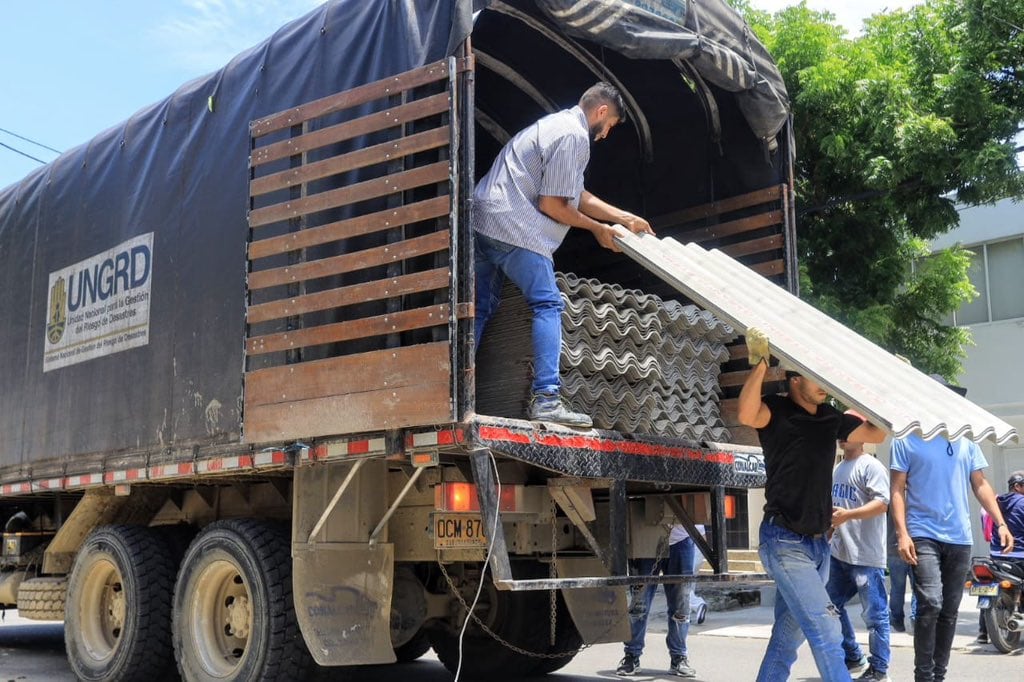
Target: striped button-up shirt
point(546, 159)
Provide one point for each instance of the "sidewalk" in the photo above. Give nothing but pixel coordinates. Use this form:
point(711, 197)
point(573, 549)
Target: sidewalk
point(756, 623)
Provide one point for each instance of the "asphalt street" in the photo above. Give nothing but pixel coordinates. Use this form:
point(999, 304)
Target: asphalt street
point(726, 648)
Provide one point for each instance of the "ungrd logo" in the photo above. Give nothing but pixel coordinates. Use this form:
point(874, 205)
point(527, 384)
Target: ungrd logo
point(58, 318)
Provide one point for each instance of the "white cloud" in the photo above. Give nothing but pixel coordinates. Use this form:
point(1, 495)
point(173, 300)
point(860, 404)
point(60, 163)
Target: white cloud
point(205, 34)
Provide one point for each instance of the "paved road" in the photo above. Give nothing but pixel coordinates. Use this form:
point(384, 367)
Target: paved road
point(727, 648)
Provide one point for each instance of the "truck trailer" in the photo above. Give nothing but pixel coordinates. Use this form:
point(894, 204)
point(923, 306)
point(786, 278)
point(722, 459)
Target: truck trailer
point(245, 427)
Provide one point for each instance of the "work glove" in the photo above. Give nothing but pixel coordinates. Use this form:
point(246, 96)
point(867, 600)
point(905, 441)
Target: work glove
point(757, 346)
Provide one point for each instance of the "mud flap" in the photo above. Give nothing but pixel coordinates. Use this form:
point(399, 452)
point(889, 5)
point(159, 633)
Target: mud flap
point(343, 601)
point(601, 614)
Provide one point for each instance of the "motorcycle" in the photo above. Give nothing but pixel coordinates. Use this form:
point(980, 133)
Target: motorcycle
point(999, 586)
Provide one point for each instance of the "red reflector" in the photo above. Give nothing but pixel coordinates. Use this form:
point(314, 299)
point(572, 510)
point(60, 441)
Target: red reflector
point(981, 572)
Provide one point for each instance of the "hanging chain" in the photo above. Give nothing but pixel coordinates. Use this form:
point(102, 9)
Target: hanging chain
point(553, 573)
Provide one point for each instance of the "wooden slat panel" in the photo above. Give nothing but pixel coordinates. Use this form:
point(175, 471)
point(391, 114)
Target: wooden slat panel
point(399, 408)
point(356, 293)
point(391, 323)
point(350, 98)
point(361, 158)
point(738, 351)
point(364, 125)
point(735, 203)
point(360, 191)
point(770, 268)
point(351, 227)
point(752, 246)
point(727, 379)
point(748, 224)
point(351, 262)
point(741, 435)
point(358, 373)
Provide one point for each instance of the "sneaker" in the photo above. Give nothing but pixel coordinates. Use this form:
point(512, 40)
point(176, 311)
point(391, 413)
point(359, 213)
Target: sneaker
point(982, 638)
point(859, 666)
point(681, 667)
point(876, 675)
point(898, 626)
point(550, 408)
point(630, 665)
point(702, 614)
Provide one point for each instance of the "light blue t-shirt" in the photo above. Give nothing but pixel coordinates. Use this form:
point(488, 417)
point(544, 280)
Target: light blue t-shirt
point(938, 485)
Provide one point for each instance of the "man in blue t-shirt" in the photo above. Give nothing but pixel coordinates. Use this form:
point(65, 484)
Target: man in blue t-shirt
point(930, 511)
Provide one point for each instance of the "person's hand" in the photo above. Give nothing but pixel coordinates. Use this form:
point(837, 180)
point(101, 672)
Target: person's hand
point(636, 224)
point(1005, 539)
point(840, 516)
point(607, 234)
point(757, 346)
point(907, 550)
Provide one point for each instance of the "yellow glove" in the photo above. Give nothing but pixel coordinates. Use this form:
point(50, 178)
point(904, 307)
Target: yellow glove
point(757, 346)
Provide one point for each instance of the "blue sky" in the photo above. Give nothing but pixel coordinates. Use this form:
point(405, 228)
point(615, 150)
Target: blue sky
point(72, 68)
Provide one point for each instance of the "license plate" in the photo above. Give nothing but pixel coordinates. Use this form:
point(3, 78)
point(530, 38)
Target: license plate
point(984, 590)
point(458, 530)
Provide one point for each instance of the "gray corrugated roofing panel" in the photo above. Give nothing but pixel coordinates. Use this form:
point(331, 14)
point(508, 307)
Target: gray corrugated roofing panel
point(889, 391)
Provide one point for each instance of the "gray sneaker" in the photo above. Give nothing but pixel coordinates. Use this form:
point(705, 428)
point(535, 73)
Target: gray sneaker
point(858, 666)
point(681, 667)
point(550, 408)
point(875, 676)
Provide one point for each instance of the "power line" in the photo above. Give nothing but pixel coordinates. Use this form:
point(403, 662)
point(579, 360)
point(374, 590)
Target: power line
point(18, 151)
point(38, 144)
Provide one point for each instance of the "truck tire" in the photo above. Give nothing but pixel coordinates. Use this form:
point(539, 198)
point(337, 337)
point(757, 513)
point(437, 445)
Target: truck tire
point(43, 598)
point(233, 616)
point(513, 616)
point(414, 648)
point(118, 612)
point(996, 617)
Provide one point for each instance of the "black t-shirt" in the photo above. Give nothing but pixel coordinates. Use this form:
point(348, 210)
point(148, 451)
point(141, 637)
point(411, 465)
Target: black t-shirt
point(799, 452)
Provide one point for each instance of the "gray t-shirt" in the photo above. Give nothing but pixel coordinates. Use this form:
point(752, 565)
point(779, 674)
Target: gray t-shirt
point(854, 484)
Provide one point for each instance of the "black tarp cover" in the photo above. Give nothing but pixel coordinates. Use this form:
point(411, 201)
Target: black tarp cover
point(174, 178)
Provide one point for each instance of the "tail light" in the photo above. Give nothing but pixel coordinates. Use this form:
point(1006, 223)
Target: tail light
point(1006, 584)
point(982, 572)
point(453, 496)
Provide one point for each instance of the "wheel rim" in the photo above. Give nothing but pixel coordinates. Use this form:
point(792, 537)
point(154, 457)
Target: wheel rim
point(103, 610)
point(220, 618)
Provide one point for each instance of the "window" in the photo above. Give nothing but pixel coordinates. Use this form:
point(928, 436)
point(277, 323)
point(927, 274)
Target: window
point(997, 272)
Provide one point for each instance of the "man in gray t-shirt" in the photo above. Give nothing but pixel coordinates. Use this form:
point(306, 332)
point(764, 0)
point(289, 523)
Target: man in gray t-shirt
point(860, 498)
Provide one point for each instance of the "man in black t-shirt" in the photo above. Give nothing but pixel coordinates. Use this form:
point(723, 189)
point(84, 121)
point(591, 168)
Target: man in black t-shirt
point(798, 434)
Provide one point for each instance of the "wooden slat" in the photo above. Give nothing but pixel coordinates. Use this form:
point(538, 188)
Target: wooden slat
point(392, 323)
point(350, 98)
point(733, 227)
point(364, 125)
point(356, 293)
point(752, 246)
point(714, 208)
point(351, 227)
point(360, 191)
point(385, 389)
point(769, 268)
point(356, 373)
point(738, 351)
point(351, 262)
point(727, 379)
point(361, 158)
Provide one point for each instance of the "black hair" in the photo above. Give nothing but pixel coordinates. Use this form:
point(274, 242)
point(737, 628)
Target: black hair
point(604, 93)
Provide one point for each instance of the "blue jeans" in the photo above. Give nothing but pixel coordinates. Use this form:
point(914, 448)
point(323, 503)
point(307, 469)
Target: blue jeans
point(679, 562)
point(939, 584)
point(535, 276)
point(899, 572)
point(846, 580)
point(799, 566)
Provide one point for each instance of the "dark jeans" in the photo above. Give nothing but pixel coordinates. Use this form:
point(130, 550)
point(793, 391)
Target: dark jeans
point(939, 586)
point(899, 571)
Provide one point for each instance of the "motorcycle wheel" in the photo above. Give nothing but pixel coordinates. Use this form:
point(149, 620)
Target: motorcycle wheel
point(996, 617)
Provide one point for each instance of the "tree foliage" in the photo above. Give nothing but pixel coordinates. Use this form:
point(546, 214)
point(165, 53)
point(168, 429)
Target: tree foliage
point(894, 129)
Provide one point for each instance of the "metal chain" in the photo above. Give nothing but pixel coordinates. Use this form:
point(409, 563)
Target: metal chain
point(494, 635)
point(553, 573)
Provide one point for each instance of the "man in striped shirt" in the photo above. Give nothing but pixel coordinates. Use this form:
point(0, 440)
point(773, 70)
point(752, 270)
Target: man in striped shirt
point(523, 209)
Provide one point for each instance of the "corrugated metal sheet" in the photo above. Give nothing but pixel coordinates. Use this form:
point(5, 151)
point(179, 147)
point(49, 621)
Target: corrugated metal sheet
point(890, 392)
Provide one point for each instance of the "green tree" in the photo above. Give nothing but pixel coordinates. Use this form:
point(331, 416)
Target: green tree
point(894, 128)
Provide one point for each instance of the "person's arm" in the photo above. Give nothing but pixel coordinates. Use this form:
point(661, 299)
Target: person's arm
point(898, 506)
point(752, 410)
point(867, 433)
point(866, 511)
point(595, 207)
point(987, 497)
point(561, 210)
